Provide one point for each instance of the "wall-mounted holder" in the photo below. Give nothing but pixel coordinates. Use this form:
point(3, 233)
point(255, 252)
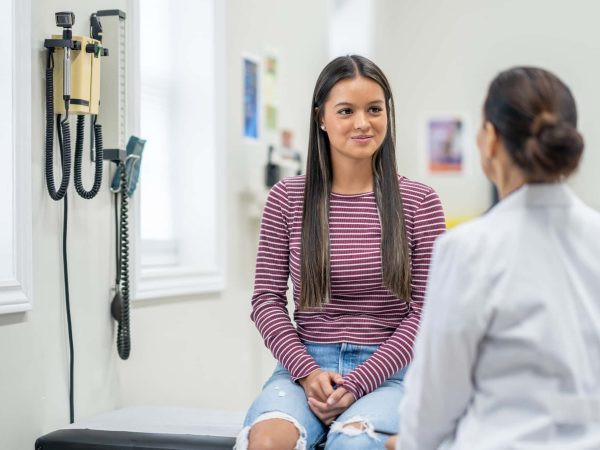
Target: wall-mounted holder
point(116, 155)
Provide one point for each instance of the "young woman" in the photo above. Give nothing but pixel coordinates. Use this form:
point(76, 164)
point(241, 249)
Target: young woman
point(508, 356)
point(356, 239)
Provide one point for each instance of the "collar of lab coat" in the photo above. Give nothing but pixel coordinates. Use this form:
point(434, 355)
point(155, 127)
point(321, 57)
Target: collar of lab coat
point(538, 195)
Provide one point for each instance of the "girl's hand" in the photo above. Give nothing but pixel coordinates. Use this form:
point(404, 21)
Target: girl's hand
point(337, 403)
point(319, 384)
point(390, 444)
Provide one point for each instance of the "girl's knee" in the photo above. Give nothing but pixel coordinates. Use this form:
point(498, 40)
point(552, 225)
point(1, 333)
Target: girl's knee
point(353, 434)
point(272, 431)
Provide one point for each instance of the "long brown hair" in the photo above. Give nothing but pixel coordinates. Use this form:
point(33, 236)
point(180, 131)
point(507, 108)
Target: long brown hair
point(315, 262)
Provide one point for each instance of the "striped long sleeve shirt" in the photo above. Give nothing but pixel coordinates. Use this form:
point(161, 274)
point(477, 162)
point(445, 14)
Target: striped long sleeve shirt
point(361, 310)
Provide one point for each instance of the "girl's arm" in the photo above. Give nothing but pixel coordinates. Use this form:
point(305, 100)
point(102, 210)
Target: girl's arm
point(396, 352)
point(269, 301)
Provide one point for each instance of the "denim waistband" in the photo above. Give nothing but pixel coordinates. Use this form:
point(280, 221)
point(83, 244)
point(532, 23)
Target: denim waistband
point(343, 357)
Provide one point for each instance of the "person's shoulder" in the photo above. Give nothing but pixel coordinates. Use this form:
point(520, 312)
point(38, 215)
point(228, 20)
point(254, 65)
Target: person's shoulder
point(414, 185)
point(493, 232)
point(293, 187)
point(584, 221)
point(415, 188)
point(288, 192)
point(293, 184)
point(419, 198)
point(466, 242)
point(590, 215)
point(473, 230)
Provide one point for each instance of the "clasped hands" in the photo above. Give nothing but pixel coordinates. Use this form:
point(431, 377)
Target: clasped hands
point(327, 397)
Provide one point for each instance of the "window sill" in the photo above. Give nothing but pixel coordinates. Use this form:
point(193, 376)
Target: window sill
point(174, 282)
point(13, 297)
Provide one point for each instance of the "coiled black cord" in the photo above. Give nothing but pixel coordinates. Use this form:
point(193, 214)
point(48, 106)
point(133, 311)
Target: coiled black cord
point(79, 135)
point(123, 332)
point(66, 151)
point(79, 157)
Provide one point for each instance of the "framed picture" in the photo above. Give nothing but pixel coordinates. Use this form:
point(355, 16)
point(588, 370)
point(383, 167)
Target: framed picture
point(251, 100)
point(270, 92)
point(445, 143)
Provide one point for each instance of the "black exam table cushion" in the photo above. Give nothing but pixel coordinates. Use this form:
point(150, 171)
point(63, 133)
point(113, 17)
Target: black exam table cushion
point(148, 428)
point(113, 440)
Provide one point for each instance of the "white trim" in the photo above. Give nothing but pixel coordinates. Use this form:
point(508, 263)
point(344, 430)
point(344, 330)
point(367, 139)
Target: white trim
point(132, 26)
point(16, 294)
point(132, 73)
point(159, 253)
point(221, 134)
point(177, 281)
point(170, 282)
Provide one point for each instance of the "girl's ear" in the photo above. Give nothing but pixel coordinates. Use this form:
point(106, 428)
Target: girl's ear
point(319, 119)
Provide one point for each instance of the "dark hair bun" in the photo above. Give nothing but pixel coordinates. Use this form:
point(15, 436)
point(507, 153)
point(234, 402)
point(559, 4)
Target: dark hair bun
point(535, 114)
point(554, 148)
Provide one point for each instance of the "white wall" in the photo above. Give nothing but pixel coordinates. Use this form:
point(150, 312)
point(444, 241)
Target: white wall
point(440, 56)
point(33, 345)
point(358, 16)
point(204, 351)
point(195, 351)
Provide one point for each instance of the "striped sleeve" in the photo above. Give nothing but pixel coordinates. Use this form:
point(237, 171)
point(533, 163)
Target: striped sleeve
point(269, 311)
point(396, 352)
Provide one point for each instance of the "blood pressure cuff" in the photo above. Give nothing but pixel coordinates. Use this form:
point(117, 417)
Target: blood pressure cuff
point(133, 162)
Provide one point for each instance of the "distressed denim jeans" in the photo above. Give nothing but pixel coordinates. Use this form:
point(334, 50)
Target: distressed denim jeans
point(284, 399)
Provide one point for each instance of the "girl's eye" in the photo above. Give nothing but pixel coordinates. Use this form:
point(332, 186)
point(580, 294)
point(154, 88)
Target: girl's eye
point(376, 109)
point(345, 111)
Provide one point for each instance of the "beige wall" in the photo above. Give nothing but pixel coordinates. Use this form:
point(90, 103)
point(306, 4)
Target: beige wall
point(195, 351)
point(204, 350)
point(34, 345)
point(440, 56)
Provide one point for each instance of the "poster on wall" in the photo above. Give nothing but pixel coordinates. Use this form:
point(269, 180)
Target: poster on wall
point(251, 108)
point(270, 92)
point(445, 143)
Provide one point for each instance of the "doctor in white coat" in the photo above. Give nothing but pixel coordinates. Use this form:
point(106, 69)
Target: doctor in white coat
point(508, 354)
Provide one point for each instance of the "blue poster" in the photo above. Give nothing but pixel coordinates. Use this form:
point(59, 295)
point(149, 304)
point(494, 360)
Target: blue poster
point(250, 99)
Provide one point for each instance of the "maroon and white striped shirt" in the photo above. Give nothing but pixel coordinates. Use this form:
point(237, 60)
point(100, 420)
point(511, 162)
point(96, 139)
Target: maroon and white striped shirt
point(361, 309)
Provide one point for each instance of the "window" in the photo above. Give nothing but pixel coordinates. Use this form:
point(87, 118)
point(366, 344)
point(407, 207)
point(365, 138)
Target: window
point(15, 170)
point(181, 212)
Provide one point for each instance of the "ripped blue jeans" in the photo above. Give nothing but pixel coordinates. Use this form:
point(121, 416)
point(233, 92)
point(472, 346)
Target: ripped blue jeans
point(282, 398)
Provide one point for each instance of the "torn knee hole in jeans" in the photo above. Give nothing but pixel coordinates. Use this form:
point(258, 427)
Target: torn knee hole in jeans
point(241, 442)
point(354, 427)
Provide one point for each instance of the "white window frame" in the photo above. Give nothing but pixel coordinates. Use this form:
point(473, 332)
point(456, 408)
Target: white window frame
point(16, 291)
point(170, 281)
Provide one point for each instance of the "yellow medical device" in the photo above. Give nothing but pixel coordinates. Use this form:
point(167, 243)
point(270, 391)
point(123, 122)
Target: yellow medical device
point(73, 87)
point(84, 76)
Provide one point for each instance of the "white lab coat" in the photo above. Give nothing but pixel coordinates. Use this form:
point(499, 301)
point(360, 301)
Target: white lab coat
point(508, 354)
